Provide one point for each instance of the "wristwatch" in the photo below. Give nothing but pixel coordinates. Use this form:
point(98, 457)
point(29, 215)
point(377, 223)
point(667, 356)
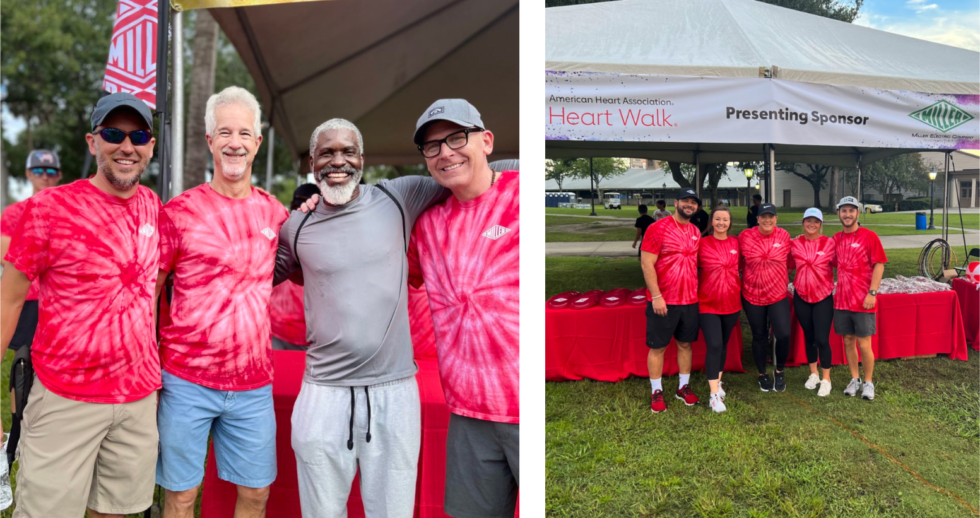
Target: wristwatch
point(873, 293)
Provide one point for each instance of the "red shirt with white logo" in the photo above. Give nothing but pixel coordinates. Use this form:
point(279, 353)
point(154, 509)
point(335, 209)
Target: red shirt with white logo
point(765, 263)
point(814, 259)
point(9, 221)
point(95, 259)
point(856, 254)
point(676, 246)
point(222, 252)
point(467, 254)
point(287, 315)
point(719, 288)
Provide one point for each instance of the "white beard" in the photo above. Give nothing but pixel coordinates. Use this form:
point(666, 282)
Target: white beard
point(339, 194)
point(232, 172)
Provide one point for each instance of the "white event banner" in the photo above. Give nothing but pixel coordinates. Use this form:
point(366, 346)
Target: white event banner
point(737, 110)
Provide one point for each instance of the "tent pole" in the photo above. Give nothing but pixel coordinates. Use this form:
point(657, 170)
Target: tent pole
point(163, 26)
point(946, 201)
point(177, 142)
point(859, 186)
point(771, 173)
point(268, 161)
point(698, 180)
point(592, 186)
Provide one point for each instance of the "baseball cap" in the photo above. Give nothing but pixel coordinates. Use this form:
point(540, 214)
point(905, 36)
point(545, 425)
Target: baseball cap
point(849, 200)
point(767, 208)
point(458, 111)
point(111, 102)
point(43, 158)
point(813, 212)
point(688, 193)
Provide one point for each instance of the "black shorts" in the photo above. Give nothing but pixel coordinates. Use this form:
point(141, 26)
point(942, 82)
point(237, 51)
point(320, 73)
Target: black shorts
point(855, 323)
point(681, 323)
point(26, 325)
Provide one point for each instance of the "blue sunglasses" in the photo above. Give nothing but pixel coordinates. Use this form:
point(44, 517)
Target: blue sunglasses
point(50, 171)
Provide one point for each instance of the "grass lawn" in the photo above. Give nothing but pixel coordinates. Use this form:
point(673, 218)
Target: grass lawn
point(772, 454)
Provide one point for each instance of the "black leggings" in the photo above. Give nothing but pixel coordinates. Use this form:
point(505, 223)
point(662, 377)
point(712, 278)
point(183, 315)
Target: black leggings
point(777, 315)
point(716, 329)
point(815, 319)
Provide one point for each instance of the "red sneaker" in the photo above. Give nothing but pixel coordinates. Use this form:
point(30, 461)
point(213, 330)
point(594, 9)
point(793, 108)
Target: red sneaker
point(658, 404)
point(686, 395)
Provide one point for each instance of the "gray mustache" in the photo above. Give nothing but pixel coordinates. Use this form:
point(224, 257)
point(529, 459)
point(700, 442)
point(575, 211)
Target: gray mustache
point(327, 170)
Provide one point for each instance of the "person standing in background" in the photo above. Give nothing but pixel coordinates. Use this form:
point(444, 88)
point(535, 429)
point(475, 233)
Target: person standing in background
point(661, 211)
point(641, 225)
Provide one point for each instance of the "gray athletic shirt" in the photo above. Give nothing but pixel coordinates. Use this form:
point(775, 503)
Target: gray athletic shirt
point(355, 280)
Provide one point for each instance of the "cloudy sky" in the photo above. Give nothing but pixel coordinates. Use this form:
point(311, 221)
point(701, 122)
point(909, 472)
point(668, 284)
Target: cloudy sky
point(950, 22)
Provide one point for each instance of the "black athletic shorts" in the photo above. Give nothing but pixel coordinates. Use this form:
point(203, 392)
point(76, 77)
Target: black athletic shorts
point(854, 323)
point(681, 323)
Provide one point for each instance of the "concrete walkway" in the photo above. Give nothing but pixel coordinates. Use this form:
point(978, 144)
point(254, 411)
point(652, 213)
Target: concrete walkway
point(623, 248)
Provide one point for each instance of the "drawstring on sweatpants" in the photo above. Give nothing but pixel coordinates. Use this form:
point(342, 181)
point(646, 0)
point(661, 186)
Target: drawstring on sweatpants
point(350, 440)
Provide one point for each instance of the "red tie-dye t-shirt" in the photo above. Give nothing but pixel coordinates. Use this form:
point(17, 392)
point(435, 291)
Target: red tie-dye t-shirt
point(814, 260)
point(9, 222)
point(467, 253)
point(287, 315)
point(94, 257)
point(676, 247)
point(719, 287)
point(765, 263)
point(222, 252)
point(856, 255)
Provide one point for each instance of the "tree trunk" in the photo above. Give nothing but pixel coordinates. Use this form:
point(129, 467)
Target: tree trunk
point(816, 194)
point(202, 86)
point(675, 172)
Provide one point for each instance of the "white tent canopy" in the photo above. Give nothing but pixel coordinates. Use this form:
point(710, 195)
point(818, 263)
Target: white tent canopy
point(735, 38)
point(380, 64)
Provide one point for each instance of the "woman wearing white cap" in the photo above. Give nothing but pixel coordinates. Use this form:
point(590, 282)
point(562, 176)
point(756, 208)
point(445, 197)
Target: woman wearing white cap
point(813, 255)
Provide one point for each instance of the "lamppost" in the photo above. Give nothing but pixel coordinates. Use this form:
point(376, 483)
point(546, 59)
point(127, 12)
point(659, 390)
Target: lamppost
point(932, 183)
point(748, 185)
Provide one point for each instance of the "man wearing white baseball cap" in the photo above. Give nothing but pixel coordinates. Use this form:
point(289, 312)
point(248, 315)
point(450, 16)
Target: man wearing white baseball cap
point(860, 265)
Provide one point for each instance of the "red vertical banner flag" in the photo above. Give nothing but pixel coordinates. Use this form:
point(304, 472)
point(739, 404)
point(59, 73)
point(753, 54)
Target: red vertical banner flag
point(132, 64)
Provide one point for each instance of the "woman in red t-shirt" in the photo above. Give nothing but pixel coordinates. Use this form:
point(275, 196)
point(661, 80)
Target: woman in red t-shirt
point(719, 289)
point(813, 255)
point(765, 276)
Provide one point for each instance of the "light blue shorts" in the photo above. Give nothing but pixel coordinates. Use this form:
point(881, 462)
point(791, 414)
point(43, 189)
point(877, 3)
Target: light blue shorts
point(242, 425)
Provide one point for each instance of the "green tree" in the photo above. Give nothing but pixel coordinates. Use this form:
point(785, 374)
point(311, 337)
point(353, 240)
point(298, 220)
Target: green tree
point(897, 173)
point(52, 66)
point(562, 169)
point(685, 176)
point(602, 168)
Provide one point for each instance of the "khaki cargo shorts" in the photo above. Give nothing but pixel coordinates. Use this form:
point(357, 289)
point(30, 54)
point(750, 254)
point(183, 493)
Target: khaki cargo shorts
point(75, 455)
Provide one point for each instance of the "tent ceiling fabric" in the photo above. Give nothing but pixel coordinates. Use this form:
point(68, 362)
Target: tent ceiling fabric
point(688, 153)
point(734, 38)
point(379, 64)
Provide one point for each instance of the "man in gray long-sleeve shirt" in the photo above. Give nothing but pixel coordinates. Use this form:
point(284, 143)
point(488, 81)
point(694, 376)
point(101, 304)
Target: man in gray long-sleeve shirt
point(359, 404)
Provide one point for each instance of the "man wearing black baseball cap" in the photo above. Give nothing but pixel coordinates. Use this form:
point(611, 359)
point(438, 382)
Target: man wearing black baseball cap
point(93, 246)
point(669, 258)
point(466, 252)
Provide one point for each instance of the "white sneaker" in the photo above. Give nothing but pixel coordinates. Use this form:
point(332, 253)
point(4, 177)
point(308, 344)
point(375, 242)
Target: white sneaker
point(721, 390)
point(869, 391)
point(716, 403)
point(852, 387)
point(824, 388)
point(812, 382)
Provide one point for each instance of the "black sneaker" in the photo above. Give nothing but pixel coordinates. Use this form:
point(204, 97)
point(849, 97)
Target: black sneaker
point(780, 382)
point(764, 383)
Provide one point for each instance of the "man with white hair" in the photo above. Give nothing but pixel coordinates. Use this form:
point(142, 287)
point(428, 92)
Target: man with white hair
point(359, 405)
point(219, 242)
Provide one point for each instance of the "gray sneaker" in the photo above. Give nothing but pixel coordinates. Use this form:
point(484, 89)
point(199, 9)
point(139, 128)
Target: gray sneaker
point(869, 391)
point(852, 387)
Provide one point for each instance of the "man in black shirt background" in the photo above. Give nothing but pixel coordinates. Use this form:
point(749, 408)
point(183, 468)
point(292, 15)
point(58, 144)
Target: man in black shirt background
point(641, 225)
point(753, 215)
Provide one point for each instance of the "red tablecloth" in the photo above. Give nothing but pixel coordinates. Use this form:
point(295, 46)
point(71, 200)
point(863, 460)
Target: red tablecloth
point(218, 499)
point(609, 344)
point(970, 304)
point(906, 325)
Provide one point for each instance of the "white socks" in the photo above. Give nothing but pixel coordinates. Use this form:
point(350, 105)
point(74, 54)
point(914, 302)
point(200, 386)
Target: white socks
point(655, 385)
point(685, 380)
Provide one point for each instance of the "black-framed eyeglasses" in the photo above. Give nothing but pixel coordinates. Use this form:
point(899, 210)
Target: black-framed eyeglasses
point(432, 148)
point(117, 136)
point(40, 171)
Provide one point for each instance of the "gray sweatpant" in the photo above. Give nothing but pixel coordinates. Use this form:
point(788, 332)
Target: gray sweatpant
point(327, 455)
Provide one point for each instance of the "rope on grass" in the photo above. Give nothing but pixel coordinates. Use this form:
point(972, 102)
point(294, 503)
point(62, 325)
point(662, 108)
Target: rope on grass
point(937, 250)
point(882, 451)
